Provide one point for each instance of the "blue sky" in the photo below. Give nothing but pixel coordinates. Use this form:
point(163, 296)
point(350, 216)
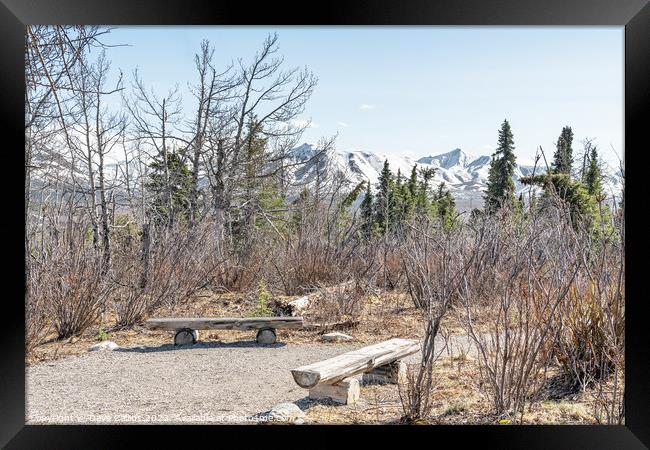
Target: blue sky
point(418, 91)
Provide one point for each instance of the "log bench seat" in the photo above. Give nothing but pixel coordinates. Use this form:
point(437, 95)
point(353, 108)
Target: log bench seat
point(334, 378)
point(186, 328)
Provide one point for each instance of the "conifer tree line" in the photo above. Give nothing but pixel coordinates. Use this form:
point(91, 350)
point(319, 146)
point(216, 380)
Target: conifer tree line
point(227, 160)
point(397, 200)
point(581, 189)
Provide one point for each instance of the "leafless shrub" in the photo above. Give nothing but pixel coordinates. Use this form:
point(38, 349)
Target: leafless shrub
point(392, 270)
point(434, 262)
point(609, 397)
point(590, 343)
point(415, 392)
point(241, 271)
point(551, 293)
point(182, 264)
point(37, 322)
point(340, 303)
point(304, 266)
point(235, 275)
point(322, 247)
point(526, 267)
point(76, 292)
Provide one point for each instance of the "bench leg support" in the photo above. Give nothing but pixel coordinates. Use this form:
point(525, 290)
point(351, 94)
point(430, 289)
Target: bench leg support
point(392, 373)
point(346, 391)
point(186, 336)
point(266, 336)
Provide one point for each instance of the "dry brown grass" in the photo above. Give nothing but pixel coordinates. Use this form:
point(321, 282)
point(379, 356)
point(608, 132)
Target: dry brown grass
point(374, 326)
point(456, 395)
point(456, 400)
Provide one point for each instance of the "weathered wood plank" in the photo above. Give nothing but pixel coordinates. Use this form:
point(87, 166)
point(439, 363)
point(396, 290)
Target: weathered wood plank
point(223, 323)
point(349, 364)
point(346, 391)
point(300, 305)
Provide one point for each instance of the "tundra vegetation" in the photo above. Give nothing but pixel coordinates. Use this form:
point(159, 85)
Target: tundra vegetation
point(144, 205)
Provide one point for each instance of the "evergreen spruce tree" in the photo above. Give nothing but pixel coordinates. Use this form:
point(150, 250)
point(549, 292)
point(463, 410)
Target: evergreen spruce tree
point(385, 202)
point(413, 182)
point(397, 205)
point(519, 205)
point(260, 197)
point(407, 203)
point(422, 202)
point(563, 156)
point(581, 204)
point(445, 206)
point(601, 225)
point(404, 200)
point(593, 176)
point(174, 181)
point(500, 187)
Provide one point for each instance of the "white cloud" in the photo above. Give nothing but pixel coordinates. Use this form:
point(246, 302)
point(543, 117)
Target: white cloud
point(300, 123)
point(342, 124)
point(366, 107)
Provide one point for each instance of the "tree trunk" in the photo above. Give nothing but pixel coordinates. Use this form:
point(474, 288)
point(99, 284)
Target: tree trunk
point(106, 231)
point(220, 202)
point(168, 187)
point(194, 194)
point(220, 223)
point(146, 251)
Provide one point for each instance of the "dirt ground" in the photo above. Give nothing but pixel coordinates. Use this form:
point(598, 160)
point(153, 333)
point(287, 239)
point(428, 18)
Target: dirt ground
point(378, 322)
point(227, 377)
point(210, 382)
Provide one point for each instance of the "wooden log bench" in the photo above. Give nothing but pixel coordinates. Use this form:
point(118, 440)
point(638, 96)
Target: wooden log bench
point(186, 328)
point(334, 378)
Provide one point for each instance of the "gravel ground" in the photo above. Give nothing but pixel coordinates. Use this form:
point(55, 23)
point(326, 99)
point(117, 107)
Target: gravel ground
point(210, 382)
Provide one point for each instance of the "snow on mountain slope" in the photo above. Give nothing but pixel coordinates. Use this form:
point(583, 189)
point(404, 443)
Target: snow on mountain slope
point(464, 174)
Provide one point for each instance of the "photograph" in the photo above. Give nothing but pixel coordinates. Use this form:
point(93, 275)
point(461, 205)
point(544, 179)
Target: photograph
point(318, 225)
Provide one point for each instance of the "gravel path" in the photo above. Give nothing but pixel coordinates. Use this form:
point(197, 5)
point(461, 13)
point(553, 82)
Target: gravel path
point(210, 382)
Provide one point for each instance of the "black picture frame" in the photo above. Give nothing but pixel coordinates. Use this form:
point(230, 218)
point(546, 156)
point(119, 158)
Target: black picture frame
point(634, 15)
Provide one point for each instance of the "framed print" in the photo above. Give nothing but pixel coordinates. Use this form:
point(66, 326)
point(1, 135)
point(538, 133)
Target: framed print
point(240, 215)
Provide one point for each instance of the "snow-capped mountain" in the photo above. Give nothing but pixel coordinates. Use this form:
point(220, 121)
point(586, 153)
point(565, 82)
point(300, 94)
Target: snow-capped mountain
point(464, 174)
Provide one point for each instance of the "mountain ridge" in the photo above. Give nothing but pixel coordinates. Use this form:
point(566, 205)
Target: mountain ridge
point(464, 174)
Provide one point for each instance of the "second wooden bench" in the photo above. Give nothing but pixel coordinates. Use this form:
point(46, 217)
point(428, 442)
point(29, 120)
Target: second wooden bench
point(334, 378)
point(187, 327)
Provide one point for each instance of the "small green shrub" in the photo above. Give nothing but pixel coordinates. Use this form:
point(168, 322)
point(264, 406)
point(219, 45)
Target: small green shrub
point(263, 295)
point(102, 335)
